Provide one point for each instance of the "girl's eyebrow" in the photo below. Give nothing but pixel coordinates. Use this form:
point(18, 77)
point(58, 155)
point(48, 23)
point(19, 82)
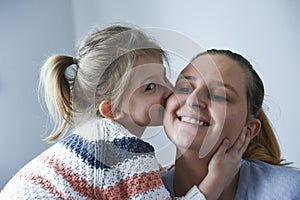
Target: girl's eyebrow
point(192, 78)
point(149, 78)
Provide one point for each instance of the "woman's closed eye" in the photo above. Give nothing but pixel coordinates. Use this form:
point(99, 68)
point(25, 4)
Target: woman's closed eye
point(220, 98)
point(183, 89)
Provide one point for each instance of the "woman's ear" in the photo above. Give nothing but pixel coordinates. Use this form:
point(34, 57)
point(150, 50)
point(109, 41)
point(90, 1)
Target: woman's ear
point(253, 127)
point(105, 109)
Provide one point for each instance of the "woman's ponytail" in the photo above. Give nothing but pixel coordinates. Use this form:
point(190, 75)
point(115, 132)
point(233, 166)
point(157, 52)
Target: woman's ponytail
point(264, 146)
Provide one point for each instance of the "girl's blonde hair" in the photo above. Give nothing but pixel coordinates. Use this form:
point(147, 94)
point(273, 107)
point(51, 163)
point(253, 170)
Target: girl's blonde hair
point(264, 146)
point(73, 95)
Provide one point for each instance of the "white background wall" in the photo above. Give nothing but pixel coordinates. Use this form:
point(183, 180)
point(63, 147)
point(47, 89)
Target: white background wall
point(266, 32)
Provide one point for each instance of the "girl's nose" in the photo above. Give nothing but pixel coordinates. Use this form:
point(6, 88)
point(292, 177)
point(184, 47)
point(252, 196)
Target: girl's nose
point(167, 90)
point(166, 93)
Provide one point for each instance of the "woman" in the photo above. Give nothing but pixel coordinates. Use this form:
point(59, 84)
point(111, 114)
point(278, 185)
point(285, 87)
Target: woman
point(216, 96)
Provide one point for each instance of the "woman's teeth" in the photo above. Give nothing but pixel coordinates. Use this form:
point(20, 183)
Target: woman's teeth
point(194, 121)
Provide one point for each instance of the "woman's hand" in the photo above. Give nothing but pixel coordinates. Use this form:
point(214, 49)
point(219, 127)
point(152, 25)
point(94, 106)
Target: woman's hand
point(224, 165)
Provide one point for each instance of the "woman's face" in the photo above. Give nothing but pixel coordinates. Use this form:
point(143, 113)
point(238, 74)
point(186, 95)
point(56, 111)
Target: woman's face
point(209, 103)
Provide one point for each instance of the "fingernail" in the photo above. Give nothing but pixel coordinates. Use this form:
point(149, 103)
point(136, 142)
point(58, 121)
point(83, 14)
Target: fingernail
point(226, 141)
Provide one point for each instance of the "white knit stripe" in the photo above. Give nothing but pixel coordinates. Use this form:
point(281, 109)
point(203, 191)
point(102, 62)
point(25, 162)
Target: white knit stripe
point(138, 165)
point(159, 193)
point(24, 189)
point(73, 161)
point(38, 168)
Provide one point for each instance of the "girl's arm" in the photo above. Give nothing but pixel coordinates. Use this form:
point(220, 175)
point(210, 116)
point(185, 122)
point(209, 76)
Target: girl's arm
point(223, 166)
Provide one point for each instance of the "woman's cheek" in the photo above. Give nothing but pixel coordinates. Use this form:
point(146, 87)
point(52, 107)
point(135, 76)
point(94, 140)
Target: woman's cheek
point(233, 127)
point(172, 104)
point(169, 119)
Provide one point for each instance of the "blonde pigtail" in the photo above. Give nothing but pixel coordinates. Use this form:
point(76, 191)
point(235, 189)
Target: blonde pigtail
point(56, 86)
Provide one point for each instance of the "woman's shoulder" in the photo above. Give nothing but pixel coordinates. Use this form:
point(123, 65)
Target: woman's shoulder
point(262, 180)
point(269, 171)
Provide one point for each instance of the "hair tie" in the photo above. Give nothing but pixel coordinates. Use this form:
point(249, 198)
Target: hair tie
point(74, 61)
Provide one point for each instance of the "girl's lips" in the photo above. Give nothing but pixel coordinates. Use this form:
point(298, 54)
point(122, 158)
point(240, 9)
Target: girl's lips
point(193, 120)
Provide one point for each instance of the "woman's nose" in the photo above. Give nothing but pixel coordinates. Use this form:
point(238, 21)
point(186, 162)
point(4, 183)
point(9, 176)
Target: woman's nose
point(196, 99)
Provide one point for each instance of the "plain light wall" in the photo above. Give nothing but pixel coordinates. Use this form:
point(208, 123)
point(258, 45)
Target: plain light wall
point(30, 32)
point(266, 32)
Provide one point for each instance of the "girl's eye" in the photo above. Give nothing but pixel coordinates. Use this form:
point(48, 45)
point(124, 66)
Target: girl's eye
point(150, 86)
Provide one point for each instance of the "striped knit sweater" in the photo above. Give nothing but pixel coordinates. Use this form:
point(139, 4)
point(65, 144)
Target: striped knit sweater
point(100, 160)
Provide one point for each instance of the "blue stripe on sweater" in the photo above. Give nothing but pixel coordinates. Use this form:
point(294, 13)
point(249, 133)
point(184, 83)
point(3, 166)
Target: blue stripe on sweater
point(134, 145)
point(105, 154)
point(80, 147)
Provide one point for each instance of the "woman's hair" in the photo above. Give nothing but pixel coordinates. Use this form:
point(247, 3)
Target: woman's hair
point(264, 146)
point(105, 58)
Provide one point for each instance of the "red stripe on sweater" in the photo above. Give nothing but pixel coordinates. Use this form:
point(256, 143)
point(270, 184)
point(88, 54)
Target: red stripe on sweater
point(132, 186)
point(44, 183)
point(128, 187)
point(78, 183)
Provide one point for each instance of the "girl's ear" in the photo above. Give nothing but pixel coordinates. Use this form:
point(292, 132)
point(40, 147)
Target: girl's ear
point(253, 127)
point(105, 109)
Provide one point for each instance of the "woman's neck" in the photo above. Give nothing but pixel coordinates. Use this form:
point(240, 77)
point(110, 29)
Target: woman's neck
point(190, 170)
point(231, 189)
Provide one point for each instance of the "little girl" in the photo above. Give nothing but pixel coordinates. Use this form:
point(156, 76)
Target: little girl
point(117, 88)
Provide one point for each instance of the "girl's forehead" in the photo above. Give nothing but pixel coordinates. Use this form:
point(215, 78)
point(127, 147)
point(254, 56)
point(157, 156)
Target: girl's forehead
point(146, 73)
point(142, 60)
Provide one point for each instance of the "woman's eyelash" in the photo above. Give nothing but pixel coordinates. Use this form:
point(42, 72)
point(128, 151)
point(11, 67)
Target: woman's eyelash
point(183, 89)
point(218, 97)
